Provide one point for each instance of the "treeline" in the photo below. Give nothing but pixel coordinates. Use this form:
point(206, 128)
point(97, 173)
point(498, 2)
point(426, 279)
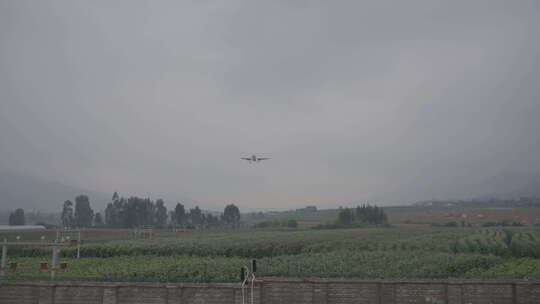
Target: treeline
point(79, 214)
point(365, 214)
point(20, 217)
point(129, 213)
point(138, 212)
point(195, 219)
point(16, 218)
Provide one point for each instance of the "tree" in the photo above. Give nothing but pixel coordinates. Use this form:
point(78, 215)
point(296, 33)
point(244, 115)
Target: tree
point(381, 217)
point(115, 196)
point(17, 217)
point(67, 214)
point(115, 213)
point(231, 216)
point(345, 216)
point(110, 215)
point(196, 217)
point(370, 214)
point(135, 212)
point(98, 220)
point(147, 212)
point(180, 215)
point(161, 213)
point(211, 221)
point(83, 212)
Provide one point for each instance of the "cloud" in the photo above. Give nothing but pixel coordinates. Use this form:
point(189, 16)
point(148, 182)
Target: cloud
point(353, 100)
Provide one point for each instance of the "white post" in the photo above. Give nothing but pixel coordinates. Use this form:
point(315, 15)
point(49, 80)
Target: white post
point(54, 261)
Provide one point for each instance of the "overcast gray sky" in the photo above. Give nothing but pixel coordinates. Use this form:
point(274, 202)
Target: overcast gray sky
point(391, 101)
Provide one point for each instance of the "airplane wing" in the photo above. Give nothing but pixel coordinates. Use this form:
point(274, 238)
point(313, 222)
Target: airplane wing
point(263, 158)
point(245, 158)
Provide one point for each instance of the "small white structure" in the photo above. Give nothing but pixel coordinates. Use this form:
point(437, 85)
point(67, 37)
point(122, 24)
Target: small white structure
point(22, 227)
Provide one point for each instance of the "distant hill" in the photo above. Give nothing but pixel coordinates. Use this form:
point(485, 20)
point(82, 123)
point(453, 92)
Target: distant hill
point(523, 202)
point(22, 191)
point(31, 193)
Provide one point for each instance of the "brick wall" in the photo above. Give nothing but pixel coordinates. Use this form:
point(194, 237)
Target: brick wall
point(275, 291)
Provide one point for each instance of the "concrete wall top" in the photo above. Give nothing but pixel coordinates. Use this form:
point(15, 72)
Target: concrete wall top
point(270, 280)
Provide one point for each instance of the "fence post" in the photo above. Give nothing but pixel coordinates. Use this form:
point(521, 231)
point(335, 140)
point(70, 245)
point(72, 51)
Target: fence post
point(4, 258)
point(79, 245)
point(54, 261)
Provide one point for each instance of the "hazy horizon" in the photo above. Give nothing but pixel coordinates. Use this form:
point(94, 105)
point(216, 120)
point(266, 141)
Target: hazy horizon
point(386, 101)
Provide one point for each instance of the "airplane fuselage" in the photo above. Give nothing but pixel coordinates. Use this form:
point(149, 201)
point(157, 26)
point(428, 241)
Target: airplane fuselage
point(254, 158)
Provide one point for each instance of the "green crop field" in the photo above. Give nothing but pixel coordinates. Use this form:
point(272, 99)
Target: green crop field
point(216, 256)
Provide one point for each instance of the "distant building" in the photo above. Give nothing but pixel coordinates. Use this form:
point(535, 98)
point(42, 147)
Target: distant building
point(22, 227)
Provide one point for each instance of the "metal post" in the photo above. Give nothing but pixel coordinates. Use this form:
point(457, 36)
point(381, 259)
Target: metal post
point(4, 258)
point(79, 246)
point(54, 261)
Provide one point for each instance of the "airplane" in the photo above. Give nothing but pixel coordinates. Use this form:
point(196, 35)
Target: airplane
point(254, 158)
